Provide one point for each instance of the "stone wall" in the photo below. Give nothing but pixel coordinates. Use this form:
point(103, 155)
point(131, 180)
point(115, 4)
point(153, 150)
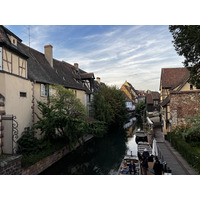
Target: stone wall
point(11, 165)
point(183, 104)
point(45, 163)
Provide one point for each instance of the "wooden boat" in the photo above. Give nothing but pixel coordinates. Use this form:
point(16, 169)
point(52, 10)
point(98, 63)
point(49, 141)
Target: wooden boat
point(141, 147)
point(141, 136)
point(144, 145)
point(128, 159)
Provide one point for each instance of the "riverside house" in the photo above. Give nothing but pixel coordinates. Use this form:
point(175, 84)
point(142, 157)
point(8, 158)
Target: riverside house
point(130, 92)
point(27, 76)
point(178, 98)
point(152, 103)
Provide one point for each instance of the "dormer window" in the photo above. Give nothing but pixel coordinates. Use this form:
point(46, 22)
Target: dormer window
point(191, 87)
point(13, 39)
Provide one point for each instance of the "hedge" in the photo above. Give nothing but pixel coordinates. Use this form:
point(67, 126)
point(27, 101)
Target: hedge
point(186, 150)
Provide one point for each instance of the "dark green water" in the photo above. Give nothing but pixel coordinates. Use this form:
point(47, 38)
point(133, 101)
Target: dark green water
point(100, 156)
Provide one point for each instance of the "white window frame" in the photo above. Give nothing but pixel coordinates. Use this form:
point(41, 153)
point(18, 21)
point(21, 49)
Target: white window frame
point(155, 102)
point(43, 90)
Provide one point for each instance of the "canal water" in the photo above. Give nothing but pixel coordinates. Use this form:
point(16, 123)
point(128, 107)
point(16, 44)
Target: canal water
point(99, 156)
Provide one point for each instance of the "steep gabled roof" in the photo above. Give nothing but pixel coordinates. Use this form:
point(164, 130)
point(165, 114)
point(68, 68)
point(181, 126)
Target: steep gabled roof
point(62, 73)
point(5, 41)
point(141, 93)
point(39, 69)
point(87, 76)
point(173, 77)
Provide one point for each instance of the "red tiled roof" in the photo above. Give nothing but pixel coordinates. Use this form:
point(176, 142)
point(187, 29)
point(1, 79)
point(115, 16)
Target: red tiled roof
point(152, 96)
point(172, 77)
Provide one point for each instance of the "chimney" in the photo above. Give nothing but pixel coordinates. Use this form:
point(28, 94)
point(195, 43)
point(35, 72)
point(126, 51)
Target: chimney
point(98, 80)
point(48, 52)
point(76, 66)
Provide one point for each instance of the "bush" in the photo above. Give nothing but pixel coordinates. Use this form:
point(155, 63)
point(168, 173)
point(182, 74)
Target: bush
point(193, 135)
point(28, 143)
point(33, 149)
point(186, 150)
point(98, 129)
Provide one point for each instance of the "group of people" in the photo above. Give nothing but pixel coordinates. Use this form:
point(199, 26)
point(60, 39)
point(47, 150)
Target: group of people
point(131, 168)
point(145, 158)
point(157, 167)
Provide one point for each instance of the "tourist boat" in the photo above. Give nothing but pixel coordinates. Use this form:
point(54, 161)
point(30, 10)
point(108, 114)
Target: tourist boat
point(141, 147)
point(128, 159)
point(141, 136)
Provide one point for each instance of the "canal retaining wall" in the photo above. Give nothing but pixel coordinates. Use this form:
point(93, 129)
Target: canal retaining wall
point(11, 165)
point(43, 164)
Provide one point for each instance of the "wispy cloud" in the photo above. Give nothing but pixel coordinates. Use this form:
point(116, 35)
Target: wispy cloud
point(114, 53)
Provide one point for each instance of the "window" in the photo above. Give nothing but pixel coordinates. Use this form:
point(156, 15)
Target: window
point(155, 103)
point(0, 58)
point(44, 90)
point(191, 87)
point(22, 94)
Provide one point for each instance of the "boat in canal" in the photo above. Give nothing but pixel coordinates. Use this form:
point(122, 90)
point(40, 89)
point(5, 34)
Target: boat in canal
point(141, 136)
point(142, 146)
point(128, 159)
point(147, 147)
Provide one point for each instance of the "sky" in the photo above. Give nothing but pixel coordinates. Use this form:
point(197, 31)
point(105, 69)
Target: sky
point(135, 53)
point(115, 53)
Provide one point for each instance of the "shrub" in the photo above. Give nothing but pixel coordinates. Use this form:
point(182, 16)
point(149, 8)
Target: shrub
point(98, 129)
point(192, 135)
point(186, 150)
point(28, 143)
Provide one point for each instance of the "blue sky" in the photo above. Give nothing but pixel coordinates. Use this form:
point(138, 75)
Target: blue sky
point(135, 53)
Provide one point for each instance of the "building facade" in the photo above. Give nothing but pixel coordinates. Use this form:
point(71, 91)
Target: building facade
point(152, 103)
point(27, 76)
point(178, 98)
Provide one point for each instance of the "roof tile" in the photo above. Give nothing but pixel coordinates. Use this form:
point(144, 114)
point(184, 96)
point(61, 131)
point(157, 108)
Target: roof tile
point(173, 77)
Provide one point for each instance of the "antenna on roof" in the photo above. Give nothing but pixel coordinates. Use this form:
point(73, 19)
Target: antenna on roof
point(29, 36)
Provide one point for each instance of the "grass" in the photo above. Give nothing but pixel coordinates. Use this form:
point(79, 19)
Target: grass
point(28, 160)
point(197, 149)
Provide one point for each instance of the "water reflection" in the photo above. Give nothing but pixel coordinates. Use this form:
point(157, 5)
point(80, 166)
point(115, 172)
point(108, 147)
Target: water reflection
point(97, 157)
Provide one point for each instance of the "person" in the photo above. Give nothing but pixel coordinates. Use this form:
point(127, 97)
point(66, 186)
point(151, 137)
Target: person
point(145, 165)
point(157, 167)
point(132, 167)
point(145, 154)
point(125, 167)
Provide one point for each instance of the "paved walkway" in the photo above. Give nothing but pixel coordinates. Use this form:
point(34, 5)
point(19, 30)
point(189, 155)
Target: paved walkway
point(174, 160)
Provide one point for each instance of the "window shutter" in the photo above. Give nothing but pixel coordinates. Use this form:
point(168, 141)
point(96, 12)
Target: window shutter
point(42, 90)
point(50, 90)
point(1, 58)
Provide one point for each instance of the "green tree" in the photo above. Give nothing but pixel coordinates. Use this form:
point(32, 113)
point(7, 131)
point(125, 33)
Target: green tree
point(62, 116)
point(140, 111)
point(187, 43)
point(109, 106)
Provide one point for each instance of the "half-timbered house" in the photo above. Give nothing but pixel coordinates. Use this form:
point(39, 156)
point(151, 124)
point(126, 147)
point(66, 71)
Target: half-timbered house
point(27, 76)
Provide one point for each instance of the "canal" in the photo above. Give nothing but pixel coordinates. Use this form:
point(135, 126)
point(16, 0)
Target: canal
point(99, 156)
